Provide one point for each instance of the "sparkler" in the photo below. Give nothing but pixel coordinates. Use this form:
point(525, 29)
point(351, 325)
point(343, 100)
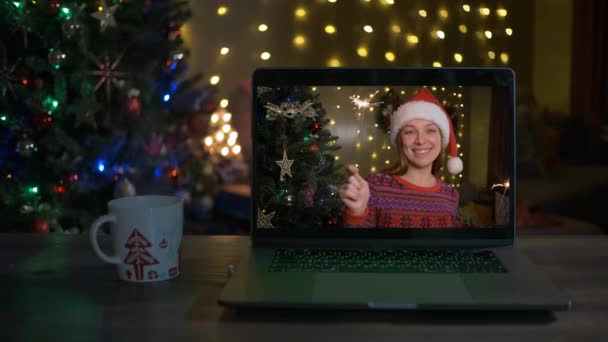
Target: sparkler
point(364, 103)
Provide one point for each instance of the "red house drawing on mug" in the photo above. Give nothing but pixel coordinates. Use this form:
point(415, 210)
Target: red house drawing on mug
point(138, 254)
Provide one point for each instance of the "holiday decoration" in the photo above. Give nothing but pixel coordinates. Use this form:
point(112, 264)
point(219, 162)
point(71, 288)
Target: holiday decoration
point(68, 147)
point(138, 255)
point(107, 73)
point(304, 198)
point(71, 28)
point(264, 219)
point(364, 103)
point(133, 102)
point(124, 188)
point(6, 73)
point(105, 15)
point(289, 110)
point(40, 226)
point(56, 58)
point(285, 165)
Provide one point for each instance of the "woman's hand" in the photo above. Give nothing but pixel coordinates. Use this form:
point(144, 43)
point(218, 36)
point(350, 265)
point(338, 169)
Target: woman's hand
point(355, 193)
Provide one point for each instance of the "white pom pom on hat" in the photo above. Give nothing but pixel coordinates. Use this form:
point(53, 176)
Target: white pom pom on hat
point(423, 105)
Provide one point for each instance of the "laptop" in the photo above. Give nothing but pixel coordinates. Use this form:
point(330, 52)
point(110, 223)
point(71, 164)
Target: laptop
point(310, 251)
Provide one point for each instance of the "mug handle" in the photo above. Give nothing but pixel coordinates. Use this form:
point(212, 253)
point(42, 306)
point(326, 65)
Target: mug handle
point(93, 238)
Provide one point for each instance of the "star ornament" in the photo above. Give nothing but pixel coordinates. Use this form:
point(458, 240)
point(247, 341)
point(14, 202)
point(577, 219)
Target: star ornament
point(107, 73)
point(285, 165)
point(264, 220)
point(105, 15)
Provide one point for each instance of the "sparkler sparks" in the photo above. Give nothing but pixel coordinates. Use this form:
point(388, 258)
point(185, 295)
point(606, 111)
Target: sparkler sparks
point(505, 185)
point(364, 103)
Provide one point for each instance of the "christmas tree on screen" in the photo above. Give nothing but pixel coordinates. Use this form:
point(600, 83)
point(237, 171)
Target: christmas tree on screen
point(95, 104)
point(296, 170)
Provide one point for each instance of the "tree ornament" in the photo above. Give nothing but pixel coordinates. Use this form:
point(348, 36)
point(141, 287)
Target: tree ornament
point(285, 165)
point(288, 200)
point(25, 147)
point(124, 188)
point(107, 73)
point(289, 110)
point(71, 28)
point(105, 15)
point(56, 58)
point(264, 220)
point(316, 126)
point(40, 226)
point(133, 102)
point(314, 148)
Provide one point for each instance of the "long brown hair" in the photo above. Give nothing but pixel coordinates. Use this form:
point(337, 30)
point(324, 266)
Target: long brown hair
point(400, 167)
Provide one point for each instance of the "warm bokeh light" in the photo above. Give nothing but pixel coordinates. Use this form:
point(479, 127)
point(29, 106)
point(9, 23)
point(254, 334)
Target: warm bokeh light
point(390, 56)
point(437, 64)
point(330, 29)
point(484, 11)
point(458, 57)
point(224, 50)
point(224, 103)
point(422, 13)
point(412, 39)
point(501, 12)
point(263, 28)
point(462, 28)
point(488, 34)
point(265, 55)
point(466, 8)
point(215, 79)
point(222, 10)
point(299, 40)
point(300, 12)
point(396, 29)
point(443, 13)
point(504, 57)
point(491, 54)
point(368, 29)
point(334, 62)
point(440, 34)
point(226, 117)
point(508, 31)
point(362, 51)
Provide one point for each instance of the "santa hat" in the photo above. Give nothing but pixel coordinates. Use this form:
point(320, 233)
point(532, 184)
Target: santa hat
point(423, 105)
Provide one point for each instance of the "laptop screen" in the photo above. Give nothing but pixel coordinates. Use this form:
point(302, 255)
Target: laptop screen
point(413, 158)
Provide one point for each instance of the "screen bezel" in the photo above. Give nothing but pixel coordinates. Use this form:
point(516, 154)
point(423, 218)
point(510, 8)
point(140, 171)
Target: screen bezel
point(495, 77)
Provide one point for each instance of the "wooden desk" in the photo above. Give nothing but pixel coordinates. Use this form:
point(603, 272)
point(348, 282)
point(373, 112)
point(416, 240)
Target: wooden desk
point(52, 288)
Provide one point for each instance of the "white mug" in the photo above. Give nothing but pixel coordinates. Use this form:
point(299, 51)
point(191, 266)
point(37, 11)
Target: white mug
point(146, 235)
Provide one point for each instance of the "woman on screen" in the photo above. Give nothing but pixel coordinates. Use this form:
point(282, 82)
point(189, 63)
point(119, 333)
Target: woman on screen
point(409, 195)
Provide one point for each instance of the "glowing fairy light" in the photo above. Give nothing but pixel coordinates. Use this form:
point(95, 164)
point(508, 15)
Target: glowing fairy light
point(364, 103)
point(504, 185)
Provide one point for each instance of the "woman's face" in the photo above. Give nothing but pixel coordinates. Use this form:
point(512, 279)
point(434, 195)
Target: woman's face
point(421, 142)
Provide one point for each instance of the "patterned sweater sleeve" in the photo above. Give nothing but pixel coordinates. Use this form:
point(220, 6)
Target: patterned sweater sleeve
point(369, 218)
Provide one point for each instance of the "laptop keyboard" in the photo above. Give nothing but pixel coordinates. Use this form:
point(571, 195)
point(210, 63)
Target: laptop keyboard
point(385, 261)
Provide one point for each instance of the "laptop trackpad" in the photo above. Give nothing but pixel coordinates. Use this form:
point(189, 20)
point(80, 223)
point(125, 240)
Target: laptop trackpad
point(392, 288)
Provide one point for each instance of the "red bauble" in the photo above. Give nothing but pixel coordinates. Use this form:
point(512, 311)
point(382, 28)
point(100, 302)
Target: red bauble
point(43, 121)
point(40, 226)
point(196, 123)
point(316, 126)
point(314, 148)
point(134, 105)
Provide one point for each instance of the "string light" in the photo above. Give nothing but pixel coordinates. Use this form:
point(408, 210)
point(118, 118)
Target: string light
point(412, 39)
point(236, 149)
point(226, 117)
point(458, 57)
point(422, 13)
point(501, 12)
point(443, 13)
point(300, 13)
point(334, 62)
point(222, 10)
point(396, 29)
point(466, 8)
point(504, 57)
point(440, 34)
point(368, 29)
point(508, 31)
point(462, 28)
point(224, 50)
point(332, 1)
point(437, 64)
point(214, 118)
point(215, 79)
point(263, 27)
point(491, 54)
point(362, 51)
point(224, 103)
point(265, 56)
point(390, 56)
point(484, 11)
point(330, 29)
point(389, 2)
point(299, 40)
point(488, 34)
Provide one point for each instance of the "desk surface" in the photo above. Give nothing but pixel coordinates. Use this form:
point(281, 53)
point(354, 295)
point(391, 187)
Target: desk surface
point(53, 288)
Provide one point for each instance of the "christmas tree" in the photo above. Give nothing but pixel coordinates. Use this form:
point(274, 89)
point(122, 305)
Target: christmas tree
point(95, 104)
point(297, 175)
